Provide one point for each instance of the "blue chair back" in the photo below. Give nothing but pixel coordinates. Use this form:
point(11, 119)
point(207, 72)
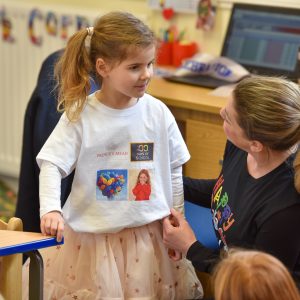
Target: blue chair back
point(200, 219)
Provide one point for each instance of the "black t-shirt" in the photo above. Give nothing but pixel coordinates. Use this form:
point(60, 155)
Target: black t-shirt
point(262, 214)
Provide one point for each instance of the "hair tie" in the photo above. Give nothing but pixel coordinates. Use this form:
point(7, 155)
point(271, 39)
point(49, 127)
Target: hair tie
point(90, 31)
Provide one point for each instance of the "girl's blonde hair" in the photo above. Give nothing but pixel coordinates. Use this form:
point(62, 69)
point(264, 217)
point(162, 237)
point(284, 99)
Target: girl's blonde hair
point(114, 37)
point(253, 275)
point(268, 110)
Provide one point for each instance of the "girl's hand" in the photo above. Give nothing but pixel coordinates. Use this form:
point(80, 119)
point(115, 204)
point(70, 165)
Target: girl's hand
point(53, 224)
point(177, 233)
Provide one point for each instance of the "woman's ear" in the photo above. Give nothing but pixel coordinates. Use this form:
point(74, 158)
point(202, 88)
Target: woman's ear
point(101, 67)
point(256, 146)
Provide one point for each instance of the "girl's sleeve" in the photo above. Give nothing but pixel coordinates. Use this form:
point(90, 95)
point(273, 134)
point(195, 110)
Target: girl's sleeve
point(135, 190)
point(177, 188)
point(148, 190)
point(49, 188)
point(62, 146)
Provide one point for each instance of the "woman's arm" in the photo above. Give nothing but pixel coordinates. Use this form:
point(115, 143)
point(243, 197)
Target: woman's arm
point(202, 258)
point(178, 235)
point(198, 191)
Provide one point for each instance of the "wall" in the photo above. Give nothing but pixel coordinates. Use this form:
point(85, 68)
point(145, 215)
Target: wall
point(208, 41)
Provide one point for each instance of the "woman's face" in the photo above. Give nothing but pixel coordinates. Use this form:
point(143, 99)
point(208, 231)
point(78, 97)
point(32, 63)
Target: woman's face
point(233, 131)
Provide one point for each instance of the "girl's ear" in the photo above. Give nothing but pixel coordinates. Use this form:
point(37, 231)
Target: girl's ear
point(101, 67)
point(256, 146)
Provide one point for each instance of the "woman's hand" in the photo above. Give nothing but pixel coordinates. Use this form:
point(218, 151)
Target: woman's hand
point(174, 255)
point(177, 233)
point(53, 224)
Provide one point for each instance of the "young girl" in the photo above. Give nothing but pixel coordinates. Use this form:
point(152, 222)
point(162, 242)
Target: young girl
point(113, 247)
point(246, 275)
point(142, 189)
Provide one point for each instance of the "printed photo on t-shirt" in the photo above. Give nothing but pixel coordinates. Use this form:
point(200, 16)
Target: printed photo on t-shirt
point(124, 185)
point(112, 185)
point(140, 188)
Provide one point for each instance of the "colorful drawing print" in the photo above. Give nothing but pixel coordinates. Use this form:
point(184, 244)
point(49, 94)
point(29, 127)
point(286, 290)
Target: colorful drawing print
point(112, 184)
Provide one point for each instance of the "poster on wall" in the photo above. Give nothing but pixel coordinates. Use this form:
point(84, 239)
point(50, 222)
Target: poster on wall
point(186, 6)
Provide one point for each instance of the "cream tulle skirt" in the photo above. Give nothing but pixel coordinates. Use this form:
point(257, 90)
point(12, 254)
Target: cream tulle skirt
point(130, 264)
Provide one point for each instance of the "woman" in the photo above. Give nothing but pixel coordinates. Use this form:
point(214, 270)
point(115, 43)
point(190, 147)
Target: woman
point(255, 202)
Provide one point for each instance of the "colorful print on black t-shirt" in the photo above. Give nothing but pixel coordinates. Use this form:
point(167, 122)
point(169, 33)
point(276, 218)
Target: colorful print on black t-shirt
point(222, 213)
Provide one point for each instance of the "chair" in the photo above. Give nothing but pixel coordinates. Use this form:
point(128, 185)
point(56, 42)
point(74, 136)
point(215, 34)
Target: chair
point(200, 219)
point(41, 117)
point(11, 266)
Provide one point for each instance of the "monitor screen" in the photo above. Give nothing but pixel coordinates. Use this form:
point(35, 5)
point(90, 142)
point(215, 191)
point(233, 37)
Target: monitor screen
point(263, 39)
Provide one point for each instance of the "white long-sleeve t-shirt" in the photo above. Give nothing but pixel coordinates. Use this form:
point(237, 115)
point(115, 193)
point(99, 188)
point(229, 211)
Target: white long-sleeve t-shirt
point(109, 147)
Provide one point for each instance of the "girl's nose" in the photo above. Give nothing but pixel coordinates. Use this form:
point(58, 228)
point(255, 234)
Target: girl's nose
point(147, 73)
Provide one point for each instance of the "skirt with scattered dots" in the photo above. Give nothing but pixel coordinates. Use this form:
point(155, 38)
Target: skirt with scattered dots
point(130, 264)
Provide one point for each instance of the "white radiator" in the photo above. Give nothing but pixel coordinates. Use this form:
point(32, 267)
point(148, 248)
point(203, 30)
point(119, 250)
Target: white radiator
point(28, 35)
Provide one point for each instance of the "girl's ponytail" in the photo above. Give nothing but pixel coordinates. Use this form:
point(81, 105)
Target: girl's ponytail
point(72, 74)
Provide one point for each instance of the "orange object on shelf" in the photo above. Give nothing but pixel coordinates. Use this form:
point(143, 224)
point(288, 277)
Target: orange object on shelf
point(182, 51)
point(165, 54)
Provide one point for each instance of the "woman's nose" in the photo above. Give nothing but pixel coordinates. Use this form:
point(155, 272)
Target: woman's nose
point(222, 113)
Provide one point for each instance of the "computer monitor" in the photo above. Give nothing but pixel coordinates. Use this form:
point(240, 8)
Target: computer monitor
point(264, 39)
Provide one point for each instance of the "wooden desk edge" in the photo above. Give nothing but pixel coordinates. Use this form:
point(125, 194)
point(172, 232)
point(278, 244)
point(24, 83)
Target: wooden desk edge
point(185, 96)
point(38, 241)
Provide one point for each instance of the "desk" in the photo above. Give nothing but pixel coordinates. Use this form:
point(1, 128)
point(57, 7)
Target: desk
point(13, 242)
point(197, 114)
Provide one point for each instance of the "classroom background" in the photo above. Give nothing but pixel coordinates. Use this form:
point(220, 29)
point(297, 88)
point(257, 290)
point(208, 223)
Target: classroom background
point(29, 35)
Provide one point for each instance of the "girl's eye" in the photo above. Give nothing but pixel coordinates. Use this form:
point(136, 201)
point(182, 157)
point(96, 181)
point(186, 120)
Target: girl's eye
point(150, 64)
point(134, 67)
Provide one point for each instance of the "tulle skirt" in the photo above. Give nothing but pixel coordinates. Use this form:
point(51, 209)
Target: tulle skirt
point(130, 264)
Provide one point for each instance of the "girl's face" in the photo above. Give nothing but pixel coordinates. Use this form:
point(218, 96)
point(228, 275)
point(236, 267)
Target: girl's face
point(143, 178)
point(130, 78)
point(233, 131)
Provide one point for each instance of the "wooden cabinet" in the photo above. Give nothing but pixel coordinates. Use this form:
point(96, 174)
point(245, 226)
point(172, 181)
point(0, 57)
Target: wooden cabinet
point(197, 114)
point(205, 142)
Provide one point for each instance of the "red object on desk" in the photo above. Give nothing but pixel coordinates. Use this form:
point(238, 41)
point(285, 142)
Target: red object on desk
point(173, 53)
point(182, 51)
point(164, 55)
